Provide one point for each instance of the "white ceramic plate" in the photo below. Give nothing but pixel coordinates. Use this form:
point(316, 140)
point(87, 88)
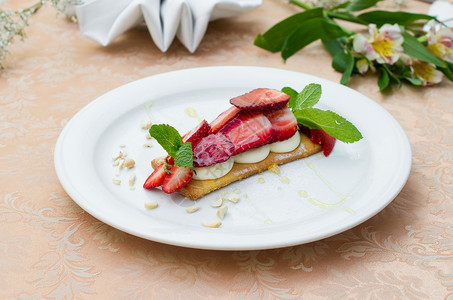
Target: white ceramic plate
point(324, 196)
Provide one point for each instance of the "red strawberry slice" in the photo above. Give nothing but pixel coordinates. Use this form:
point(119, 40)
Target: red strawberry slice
point(283, 122)
point(156, 178)
point(213, 149)
point(248, 130)
point(195, 135)
point(177, 178)
point(224, 118)
point(319, 136)
point(262, 99)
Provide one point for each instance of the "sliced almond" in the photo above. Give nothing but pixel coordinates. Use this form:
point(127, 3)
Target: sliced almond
point(233, 198)
point(132, 179)
point(217, 203)
point(193, 208)
point(116, 181)
point(148, 136)
point(221, 212)
point(261, 180)
point(274, 169)
point(148, 145)
point(285, 179)
point(151, 204)
point(129, 163)
point(212, 224)
point(146, 124)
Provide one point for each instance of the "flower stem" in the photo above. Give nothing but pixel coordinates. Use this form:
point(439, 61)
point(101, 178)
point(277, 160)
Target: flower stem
point(301, 4)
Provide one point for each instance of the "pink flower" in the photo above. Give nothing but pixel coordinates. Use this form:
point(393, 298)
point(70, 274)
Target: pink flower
point(440, 41)
point(384, 45)
point(427, 72)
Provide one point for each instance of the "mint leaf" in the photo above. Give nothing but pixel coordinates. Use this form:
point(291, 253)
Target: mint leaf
point(168, 137)
point(332, 123)
point(309, 96)
point(292, 93)
point(184, 156)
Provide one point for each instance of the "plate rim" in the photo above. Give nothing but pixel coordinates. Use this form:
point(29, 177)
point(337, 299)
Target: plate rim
point(74, 194)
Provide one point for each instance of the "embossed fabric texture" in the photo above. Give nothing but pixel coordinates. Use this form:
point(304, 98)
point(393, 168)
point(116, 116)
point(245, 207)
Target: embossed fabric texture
point(50, 248)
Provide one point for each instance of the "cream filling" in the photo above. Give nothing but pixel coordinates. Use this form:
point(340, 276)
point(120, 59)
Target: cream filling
point(250, 156)
point(253, 155)
point(286, 145)
point(213, 172)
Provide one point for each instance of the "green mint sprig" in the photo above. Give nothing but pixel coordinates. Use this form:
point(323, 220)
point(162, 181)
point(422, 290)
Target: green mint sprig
point(335, 125)
point(170, 139)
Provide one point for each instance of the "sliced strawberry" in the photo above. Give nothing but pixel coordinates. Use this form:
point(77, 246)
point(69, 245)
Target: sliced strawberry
point(213, 149)
point(224, 118)
point(195, 135)
point(248, 130)
point(283, 122)
point(319, 136)
point(170, 160)
point(156, 178)
point(177, 178)
point(262, 99)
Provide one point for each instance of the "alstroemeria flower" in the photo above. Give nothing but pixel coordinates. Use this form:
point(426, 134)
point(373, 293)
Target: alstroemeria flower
point(440, 42)
point(426, 72)
point(384, 45)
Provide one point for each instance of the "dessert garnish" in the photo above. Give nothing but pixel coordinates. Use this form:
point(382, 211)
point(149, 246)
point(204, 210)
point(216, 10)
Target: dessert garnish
point(261, 121)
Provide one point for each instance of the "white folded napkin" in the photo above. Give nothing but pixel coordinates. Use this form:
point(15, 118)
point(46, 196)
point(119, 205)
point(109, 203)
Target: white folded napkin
point(443, 10)
point(105, 20)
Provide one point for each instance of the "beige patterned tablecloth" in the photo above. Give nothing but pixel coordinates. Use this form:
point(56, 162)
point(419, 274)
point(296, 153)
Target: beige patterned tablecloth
point(50, 248)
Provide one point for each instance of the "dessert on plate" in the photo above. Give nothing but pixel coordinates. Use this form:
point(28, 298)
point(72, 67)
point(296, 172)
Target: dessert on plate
point(262, 128)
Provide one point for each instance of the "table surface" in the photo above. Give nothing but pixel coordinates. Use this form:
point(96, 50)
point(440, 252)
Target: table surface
point(51, 248)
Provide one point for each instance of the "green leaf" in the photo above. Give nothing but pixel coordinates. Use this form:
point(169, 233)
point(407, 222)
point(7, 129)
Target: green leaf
point(341, 5)
point(339, 61)
point(358, 5)
point(168, 137)
point(275, 37)
point(184, 156)
point(292, 93)
point(311, 31)
point(309, 96)
point(383, 80)
point(332, 123)
point(349, 59)
point(381, 17)
point(333, 46)
point(448, 70)
point(391, 75)
point(414, 81)
point(414, 48)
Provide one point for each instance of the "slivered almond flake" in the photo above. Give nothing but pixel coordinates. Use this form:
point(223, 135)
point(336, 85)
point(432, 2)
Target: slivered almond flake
point(146, 125)
point(193, 208)
point(221, 212)
point(232, 198)
point(132, 179)
point(151, 204)
point(217, 203)
point(129, 163)
point(148, 145)
point(261, 180)
point(148, 136)
point(116, 181)
point(212, 224)
point(122, 146)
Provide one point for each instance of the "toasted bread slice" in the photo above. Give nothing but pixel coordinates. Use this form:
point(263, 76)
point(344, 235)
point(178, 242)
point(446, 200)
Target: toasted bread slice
point(198, 188)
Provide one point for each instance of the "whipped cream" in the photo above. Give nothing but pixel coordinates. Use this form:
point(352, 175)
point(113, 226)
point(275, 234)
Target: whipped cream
point(253, 155)
point(213, 172)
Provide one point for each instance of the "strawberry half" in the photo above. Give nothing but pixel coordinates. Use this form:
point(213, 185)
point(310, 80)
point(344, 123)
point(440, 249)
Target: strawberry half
point(262, 99)
point(223, 119)
point(156, 178)
point(213, 149)
point(195, 135)
point(283, 122)
point(319, 136)
point(177, 178)
point(248, 130)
